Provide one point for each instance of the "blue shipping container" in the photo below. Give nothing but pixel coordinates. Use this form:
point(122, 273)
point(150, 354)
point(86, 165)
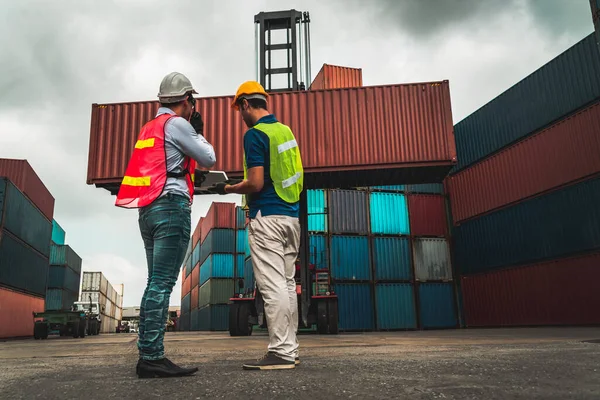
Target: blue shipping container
point(59, 300)
point(247, 247)
point(317, 202)
point(551, 226)
point(565, 84)
point(350, 258)
point(58, 233)
point(390, 188)
point(240, 218)
point(391, 256)
point(241, 242)
point(437, 309)
point(195, 320)
point(428, 188)
point(23, 219)
point(186, 304)
point(217, 266)
point(355, 306)
point(218, 241)
point(63, 277)
point(21, 267)
point(196, 253)
point(319, 251)
point(395, 306)
point(239, 266)
point(317, 223)
point(184, 322)
point(65, 255)
point(188, 266)
point(389, 214)
point(248, 275)
point(214, 318)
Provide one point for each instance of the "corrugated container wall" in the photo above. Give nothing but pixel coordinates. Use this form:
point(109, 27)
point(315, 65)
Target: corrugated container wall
point(395, 306)
point(565, 152)
point(63, 277)
point(558, 224)
point(213, 318)
point(432, 259)
point(21, 267)
point(58, 233)
point(218, 241)
point(319, 251)
point(348, 212)
point(16, 319)
point(337, 77)
point(570, 80)
point(558, 292)
point(65, 255)
point(391, 256)
point(60, 299)
point(355, 306)
point(427, 215)
point(389, 214)
point(426, 188)
point(219, 215)
point(94, 282)
point(217, 266)
point(216, 291)
point(406, 124)
point(28, 182)
point(195, 276)
point(194, 293)
point(22, 218)
point(240, 218)
point(350, 258)
point(437, 305)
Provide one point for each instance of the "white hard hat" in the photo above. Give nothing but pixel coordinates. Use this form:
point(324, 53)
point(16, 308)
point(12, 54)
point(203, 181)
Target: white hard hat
point(174, 88)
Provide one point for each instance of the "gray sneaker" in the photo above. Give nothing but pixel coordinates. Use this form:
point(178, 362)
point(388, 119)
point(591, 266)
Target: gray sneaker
point(270, 361)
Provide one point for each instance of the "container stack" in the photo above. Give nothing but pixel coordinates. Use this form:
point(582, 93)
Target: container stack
point(64, 275)
point(213, 263)
point(96, 288)
point(525, 198)
point(26, 212)
point(385, 251)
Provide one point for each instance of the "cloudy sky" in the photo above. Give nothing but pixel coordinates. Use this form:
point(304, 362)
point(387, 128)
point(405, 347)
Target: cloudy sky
point(60, 57)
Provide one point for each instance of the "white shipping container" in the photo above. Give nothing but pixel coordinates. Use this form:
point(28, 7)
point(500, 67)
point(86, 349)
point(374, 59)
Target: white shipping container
point(108, 325)
point(94, 282)
point(118, 314)
point(120, 289)
point(96, 297)
point(432, 260)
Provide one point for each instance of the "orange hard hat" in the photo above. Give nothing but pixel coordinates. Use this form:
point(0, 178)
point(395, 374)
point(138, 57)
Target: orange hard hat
point(247, 89)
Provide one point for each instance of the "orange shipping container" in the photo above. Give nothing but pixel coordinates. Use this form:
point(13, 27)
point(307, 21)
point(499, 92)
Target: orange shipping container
point(219, 215)
point(378, 135)
point(336, 77)
point(197, 233)
point(16, 319)
point(195, 275)
point(194, 298)
point(187, 285)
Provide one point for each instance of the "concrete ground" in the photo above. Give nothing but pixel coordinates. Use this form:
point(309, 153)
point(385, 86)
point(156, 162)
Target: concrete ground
point(538, 363)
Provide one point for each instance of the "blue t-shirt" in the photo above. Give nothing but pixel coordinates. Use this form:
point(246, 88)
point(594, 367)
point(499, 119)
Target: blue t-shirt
point(256, 149)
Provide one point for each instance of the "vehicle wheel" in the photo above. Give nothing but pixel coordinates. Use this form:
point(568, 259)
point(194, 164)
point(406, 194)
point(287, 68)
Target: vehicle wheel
point(233, 319)
point(82, 327)
point(75, 329)
point(44, 331)
point(244, 325)
point(332, 317)
point(322, 318)
point(36, 331)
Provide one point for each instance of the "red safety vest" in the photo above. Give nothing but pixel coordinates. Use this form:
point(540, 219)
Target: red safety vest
point(146, 173)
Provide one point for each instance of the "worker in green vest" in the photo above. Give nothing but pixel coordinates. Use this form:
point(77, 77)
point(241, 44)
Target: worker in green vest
point(273, 179)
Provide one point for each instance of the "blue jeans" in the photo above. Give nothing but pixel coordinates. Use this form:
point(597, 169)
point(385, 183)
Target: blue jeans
point(165, 227)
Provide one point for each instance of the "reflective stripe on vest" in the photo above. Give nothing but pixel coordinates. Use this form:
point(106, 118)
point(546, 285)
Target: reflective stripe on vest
point(285, 164)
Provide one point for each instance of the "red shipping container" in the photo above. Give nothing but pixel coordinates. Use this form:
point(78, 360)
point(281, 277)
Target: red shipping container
point(405, 129)
point(427, 215)
point(194, 297)
point(336, 77)
point(565, 152)
point(16, 319)
point(197, 233)
point(195, 275)
point(559, 292)
point(187, 286)
point(219, 215)
point(28, 182)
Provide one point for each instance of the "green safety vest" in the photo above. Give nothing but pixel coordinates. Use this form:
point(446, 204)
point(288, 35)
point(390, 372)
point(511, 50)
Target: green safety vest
point(285, 166)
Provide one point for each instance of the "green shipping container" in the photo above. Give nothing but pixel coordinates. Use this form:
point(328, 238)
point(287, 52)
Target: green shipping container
point(21, 267)
point(20, 217)
point(65, 255)
point(216, 291)
point(58, 233)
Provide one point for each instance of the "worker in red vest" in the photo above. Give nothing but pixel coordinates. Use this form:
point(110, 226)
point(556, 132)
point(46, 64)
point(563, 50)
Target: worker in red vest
point(159, 180)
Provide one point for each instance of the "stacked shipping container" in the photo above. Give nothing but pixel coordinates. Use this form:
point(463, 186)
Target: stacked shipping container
point(213, 260)
point(525, 202)
point(26, 209)
point(386, 249)
point(96, 288)
point(64, 276)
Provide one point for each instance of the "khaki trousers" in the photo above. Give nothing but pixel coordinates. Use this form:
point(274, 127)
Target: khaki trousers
point(274, 244)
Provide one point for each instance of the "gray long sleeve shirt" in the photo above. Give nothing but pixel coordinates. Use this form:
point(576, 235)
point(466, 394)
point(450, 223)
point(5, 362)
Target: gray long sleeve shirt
point(180, 140)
